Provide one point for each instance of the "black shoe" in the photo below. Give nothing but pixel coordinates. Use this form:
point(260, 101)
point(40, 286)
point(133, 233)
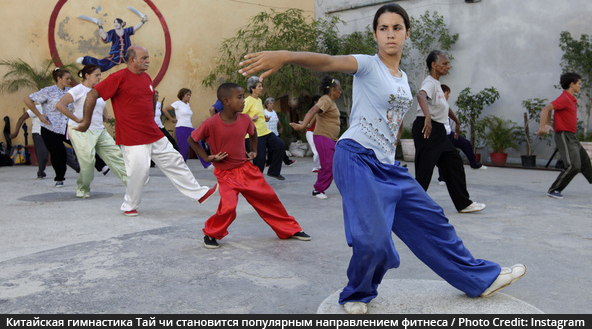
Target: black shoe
point(301, 236)
point(280, 177)
point(210, 243)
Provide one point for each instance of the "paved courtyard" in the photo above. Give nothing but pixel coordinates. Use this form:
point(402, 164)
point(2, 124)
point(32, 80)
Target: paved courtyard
point(60, 254)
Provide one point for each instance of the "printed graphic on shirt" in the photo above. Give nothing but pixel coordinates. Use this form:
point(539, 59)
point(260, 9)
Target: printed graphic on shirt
point(399, 104)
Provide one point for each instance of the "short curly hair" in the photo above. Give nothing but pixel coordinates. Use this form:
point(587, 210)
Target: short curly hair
point(183, 92)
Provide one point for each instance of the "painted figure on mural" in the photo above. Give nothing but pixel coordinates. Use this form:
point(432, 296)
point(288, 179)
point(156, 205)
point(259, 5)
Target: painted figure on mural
point(119, 37)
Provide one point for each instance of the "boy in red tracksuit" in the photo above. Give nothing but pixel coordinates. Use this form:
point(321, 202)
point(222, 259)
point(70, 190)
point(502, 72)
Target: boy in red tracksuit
point(225, 133)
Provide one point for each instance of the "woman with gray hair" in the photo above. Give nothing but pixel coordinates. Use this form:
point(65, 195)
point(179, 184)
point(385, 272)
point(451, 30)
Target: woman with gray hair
point(266, 140)
point(274, 124)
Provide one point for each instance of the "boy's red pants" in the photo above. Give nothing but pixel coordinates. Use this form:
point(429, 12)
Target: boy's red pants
point(249, 181)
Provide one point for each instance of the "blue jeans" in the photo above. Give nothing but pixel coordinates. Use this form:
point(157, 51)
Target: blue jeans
point(381, 198)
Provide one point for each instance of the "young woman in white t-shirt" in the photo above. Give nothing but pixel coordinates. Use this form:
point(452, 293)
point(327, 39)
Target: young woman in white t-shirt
point(379, 196)
point(182, 120)
point(96, 140)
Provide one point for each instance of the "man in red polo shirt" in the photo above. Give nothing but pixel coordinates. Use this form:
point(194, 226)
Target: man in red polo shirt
point(565, 124)
point(131, 93)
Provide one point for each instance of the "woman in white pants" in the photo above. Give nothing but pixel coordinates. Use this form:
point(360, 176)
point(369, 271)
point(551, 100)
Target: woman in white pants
point(96, 139)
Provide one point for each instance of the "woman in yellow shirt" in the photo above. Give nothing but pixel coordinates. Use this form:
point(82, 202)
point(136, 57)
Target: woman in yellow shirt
point(267, 142)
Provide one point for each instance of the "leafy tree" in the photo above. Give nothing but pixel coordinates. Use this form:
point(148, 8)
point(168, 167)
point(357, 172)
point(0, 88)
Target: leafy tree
point(428, 32)
point(288, 30)
point(291, 30)
point(577, 57)
point(533, 108)
point(21, 75)
point(470, 107)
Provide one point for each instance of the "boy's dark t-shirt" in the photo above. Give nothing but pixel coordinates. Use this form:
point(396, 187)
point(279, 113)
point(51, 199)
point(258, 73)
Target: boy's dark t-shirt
point(226, 137)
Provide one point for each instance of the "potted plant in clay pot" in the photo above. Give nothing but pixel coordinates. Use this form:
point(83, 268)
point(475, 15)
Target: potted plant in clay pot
point(407, 145)
point(470, 107)
point(499, 134)
point(533, 108)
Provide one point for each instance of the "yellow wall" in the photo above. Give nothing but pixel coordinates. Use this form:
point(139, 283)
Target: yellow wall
point(197, 27)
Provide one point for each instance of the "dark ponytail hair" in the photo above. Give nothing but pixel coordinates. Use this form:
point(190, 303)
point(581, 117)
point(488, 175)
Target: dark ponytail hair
point(327, 83)
point(87, 69)
point(391, 8)
point(59, 73)
point(121, 22)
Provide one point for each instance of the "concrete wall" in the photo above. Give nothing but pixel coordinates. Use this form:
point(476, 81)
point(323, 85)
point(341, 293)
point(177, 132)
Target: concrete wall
point(197, 27)
point(509, 44)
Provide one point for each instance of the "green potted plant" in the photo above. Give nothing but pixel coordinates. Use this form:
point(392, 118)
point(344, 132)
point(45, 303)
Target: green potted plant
point(533, 108)
point(407, 145)
point(470, 107)
point(499, 134)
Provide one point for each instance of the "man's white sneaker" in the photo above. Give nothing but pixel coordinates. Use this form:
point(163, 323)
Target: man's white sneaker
point(507, 276)
point(355, 308)
point(473, 207)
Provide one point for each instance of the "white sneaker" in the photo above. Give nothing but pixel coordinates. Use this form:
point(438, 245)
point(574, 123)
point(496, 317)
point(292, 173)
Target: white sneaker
point(481, 168)
point(79, 60)
point(210, 167)
point(473, 207)
point(319, 195)
point(507, 276)
point(355, 308)
point(441, 183)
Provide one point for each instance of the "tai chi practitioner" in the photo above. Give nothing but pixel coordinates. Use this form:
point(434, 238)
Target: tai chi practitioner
point(380, 196)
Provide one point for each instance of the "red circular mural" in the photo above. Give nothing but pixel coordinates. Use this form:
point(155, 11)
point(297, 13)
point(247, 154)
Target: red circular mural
point(167, 38)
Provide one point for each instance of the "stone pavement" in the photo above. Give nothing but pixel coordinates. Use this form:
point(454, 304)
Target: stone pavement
point(60, 254)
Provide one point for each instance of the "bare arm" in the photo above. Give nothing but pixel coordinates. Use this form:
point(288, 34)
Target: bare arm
point(31, 105)
point(545, 121)
point(253, 141)
point(307, 118)
point(167, 112)
point(89, 107)
point(422, 99)
point(212, 111)
point(312, 122)
point(139, 25)
point(101, 31)
point(106, 116)
point(62, 106)
point(272, 61)
point(452, 116)
point(19, 124)
point(202, 153)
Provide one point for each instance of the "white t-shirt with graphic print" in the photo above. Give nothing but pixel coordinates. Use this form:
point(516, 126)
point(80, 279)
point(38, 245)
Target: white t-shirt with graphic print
point(380, 101)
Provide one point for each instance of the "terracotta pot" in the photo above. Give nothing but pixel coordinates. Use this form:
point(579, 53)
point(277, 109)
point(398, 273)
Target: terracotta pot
point(498, 158)
point(478, 157)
